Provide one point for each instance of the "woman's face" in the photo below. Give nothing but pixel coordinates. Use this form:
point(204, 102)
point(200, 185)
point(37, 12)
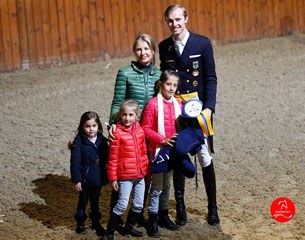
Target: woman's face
point(143, 53)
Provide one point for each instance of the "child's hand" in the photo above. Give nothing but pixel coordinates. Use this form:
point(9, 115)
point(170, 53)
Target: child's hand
point(170, 141)
point(78, 187)
point(115, 185)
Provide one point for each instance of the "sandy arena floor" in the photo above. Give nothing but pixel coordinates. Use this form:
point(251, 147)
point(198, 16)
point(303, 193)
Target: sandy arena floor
point(259, 144)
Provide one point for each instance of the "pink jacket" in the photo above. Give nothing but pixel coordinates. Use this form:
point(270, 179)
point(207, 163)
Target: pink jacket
point(127, 154)
point(149, 122)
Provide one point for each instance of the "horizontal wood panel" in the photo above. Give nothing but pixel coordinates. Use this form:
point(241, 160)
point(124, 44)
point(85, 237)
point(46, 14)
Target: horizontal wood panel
point(44, 33)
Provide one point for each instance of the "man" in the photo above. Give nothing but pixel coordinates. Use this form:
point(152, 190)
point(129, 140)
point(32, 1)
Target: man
point(191, 55)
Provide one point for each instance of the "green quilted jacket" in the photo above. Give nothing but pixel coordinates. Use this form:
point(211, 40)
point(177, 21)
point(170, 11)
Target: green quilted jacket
point(133, 83)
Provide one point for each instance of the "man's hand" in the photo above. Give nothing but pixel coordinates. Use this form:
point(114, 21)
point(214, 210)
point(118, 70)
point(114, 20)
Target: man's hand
point(209, 111)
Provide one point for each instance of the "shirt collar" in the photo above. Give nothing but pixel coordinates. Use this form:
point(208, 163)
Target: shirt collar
point(184, 40)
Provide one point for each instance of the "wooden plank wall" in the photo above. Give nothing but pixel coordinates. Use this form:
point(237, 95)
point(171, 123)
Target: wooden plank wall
point(44, 33)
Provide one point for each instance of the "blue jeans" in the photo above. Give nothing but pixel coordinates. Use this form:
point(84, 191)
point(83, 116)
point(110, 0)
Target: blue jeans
point(125, 188)
point(159, 192)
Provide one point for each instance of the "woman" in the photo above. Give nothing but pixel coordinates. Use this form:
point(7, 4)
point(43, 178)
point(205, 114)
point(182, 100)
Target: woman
point(135, 81)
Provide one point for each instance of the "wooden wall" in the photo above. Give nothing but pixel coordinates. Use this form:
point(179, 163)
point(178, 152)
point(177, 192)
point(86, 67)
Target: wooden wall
point(43, 33)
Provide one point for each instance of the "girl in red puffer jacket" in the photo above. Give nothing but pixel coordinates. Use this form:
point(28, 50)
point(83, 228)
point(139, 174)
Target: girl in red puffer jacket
point(127, 167)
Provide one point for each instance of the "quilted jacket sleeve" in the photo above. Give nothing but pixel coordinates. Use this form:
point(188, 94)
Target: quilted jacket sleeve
point(150, 122)
point(113, 158)
point(119, 92)
point(75, 162)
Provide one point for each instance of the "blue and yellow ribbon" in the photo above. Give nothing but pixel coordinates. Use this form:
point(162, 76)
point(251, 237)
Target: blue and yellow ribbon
point(205, 123)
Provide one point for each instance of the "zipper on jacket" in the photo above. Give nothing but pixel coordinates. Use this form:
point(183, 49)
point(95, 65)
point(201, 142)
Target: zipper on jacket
point(146, 86)
point(136, 150)
point(87, 171)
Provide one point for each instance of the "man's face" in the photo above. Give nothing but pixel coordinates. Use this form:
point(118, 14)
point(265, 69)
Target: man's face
point(176, 21)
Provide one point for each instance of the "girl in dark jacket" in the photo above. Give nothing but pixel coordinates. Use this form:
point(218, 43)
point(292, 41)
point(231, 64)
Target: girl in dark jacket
point(89, 154)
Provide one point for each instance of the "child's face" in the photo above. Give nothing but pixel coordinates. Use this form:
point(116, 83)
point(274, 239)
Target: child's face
point(90, 128)
point(169, 87)
point(128, 116)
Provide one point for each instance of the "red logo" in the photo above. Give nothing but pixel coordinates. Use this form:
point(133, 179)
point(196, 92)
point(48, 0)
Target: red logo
point(282, 209)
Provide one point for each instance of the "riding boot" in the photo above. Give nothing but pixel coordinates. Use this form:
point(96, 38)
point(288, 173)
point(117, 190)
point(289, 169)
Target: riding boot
point(141, 221)
point(179, 182)
point(113, 224)
point(152, 227)
point(80, 218)
point(80, 227)
point(113, 201)
point(130, 222)
point(210, 187)
point(165, 222)
point(95, 224)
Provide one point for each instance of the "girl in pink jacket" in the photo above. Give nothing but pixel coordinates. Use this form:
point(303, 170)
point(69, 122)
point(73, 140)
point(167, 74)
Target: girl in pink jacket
point(127, 166)
point(158, 123)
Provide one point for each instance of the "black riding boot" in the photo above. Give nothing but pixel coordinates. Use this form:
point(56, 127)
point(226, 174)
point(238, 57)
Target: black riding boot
point(152, 228)
point(80, 227)
point(141, 221)
point(130, 222)
point(165, 222)
point(80, 218)
point(179, 182)
point(95, 224)
point(113, 224)
point(113, 201)
point(210, 187)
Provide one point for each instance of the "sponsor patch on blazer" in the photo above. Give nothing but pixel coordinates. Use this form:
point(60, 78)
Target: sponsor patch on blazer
point(169, 60)
point(194, 56)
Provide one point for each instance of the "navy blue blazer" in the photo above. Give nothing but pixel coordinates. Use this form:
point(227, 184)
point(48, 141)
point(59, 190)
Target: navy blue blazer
point(196, 67)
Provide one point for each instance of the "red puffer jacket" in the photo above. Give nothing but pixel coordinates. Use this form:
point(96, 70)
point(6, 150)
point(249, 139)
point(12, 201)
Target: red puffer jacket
point(149, 122)
point(127, 154)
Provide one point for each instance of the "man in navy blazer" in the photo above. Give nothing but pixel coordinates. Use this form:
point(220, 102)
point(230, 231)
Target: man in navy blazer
point(191, 55)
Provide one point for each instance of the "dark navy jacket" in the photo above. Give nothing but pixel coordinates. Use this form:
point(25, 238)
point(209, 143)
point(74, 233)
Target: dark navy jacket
point(196, 67)
point(88, 161)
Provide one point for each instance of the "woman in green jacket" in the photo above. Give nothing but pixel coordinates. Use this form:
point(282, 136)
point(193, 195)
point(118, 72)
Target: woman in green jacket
point(135, 81)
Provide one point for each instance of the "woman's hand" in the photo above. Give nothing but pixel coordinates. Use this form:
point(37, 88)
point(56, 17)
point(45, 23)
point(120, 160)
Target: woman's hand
point(78, 187)
point(115, 185)
point(170, 141)
point(112, 129)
